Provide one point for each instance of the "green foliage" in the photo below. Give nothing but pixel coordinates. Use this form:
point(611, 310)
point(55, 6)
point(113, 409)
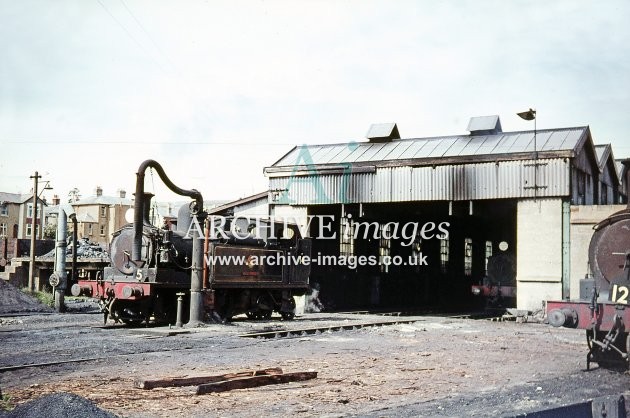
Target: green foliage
point(50, 231)
point(5, 402)
point(45, 298)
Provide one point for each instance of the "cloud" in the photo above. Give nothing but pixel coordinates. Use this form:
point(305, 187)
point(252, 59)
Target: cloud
point(216, 91)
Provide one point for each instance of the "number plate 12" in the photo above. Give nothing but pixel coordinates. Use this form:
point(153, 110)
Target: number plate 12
point(620, 294)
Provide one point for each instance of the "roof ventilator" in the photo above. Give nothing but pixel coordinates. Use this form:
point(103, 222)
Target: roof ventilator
point(484, 125)
point(382, 132)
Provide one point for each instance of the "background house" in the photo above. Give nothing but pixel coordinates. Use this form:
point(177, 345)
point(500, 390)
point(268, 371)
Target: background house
point(99, 216)
point(16, 216)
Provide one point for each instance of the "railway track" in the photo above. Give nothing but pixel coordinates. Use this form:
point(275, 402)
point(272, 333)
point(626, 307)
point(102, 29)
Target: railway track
point(300, 332)
point(466, 315)
point(273, 334)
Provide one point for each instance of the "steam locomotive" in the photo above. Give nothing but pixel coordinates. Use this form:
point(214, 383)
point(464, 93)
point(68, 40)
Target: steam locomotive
point(498, 288)
point(153, 269)
point(603, 307)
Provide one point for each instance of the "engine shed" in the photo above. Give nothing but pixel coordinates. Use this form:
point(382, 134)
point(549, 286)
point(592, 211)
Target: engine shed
point(493, 192)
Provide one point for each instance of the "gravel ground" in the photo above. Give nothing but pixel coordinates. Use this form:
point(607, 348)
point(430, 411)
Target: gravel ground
point(436, 366)
point(59, 405)
point(12, 300)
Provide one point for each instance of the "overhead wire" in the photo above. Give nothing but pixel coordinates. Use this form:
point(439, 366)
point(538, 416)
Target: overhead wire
point(155, 44)
point(124, 28)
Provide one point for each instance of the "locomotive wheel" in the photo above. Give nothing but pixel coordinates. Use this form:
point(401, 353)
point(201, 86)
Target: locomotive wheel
point(289, 309)
point(287, 316)
point(260, 314)
point(131, 322)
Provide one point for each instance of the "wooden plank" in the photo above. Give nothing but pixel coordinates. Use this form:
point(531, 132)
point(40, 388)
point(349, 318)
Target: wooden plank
point(255, 381)
point(198, 380)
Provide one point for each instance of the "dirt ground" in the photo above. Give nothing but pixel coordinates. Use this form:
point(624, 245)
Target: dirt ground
point(436, 366)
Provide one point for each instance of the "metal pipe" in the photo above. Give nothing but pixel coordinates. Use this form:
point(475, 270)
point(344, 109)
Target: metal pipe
point(147, 208)
point(180, 307)
point(196, 281)
point(136, 253)
point(196, 209)
point(206, 248)
point(75, 232)
point(60, 279)
point(31, 266)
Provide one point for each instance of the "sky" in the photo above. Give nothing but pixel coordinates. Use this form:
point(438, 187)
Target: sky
point(217, 90)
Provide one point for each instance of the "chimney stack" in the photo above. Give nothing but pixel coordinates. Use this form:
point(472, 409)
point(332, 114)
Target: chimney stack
point(122, 193)
point(55, 200)
point(99, 191)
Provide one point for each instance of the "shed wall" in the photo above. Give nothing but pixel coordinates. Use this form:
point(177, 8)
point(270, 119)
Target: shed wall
point(496, 180)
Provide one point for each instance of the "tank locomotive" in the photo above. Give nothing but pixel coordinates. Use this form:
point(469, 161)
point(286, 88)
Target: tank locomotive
point(603, 309)
point(151, 268)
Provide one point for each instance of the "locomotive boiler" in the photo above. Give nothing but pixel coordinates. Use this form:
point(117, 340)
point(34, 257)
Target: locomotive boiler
point(603, 308)
point(153, 268)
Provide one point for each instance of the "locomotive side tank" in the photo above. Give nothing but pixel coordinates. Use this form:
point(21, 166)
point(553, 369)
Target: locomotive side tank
point(603, 308)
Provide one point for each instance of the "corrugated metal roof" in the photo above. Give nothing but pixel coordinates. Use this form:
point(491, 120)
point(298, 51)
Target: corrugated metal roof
point(619, 166)
point(602, 151)
point(566, 139)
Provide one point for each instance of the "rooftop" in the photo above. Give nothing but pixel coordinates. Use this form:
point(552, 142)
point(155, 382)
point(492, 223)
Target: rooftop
point(15, 198)
point(499, 145)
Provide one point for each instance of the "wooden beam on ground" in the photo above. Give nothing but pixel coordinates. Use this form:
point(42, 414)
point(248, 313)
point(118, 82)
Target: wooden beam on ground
point(254, 381)
point(199, 380)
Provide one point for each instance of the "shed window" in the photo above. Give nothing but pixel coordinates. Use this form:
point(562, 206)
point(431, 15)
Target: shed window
point(468, 259)
point(4, 210)
point(385, 248)
point(444, 254)
point(581, 187)
point(3, 230)
point(416, 250)
point(488, 253)
point(346, 236)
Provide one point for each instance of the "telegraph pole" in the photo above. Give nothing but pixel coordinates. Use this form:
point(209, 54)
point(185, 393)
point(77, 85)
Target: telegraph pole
point(31, 267)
